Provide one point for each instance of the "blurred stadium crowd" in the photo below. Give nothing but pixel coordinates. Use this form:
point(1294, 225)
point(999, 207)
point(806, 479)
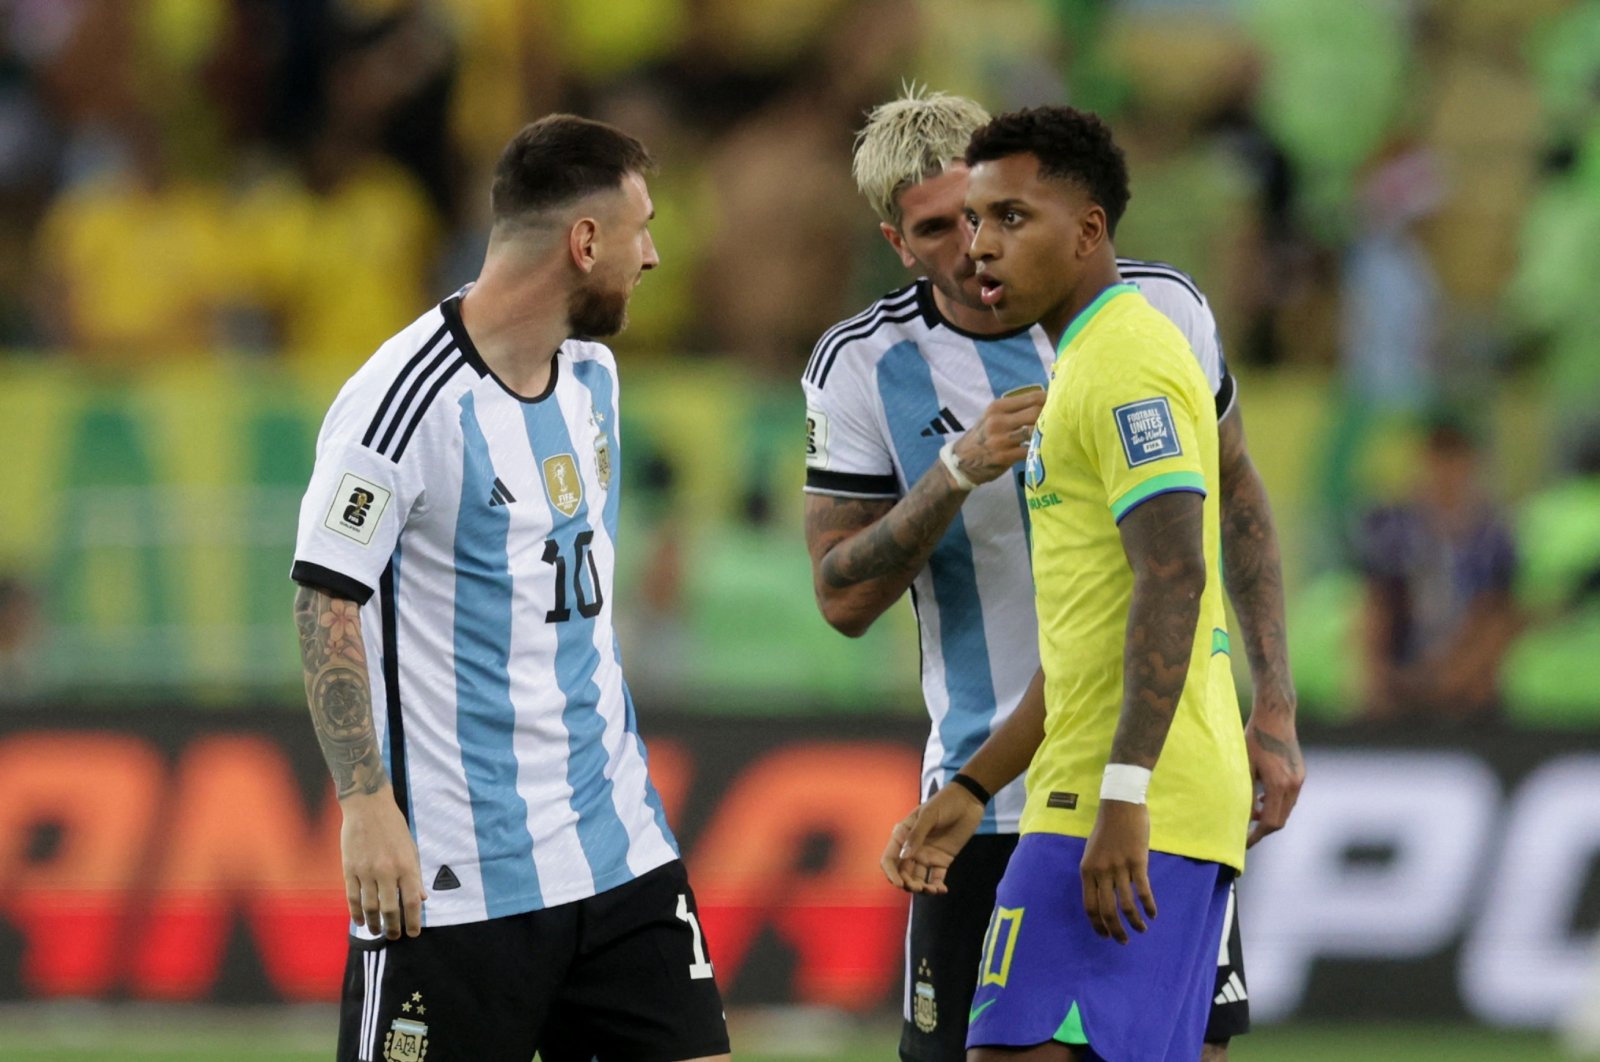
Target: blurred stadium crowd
point(1393, 205)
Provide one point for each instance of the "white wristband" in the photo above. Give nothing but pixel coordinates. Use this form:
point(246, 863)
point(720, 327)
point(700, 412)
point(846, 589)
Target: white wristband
point(1125, 782)
point(947, 454)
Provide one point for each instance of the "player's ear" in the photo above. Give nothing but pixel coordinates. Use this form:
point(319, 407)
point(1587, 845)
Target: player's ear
point(1093, 230)
point(583, 243)
point(898, 242)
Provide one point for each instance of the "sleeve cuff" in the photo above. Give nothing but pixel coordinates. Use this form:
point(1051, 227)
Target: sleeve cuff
point(336, 583)
point(1227, 395)
point(1170, 482)
point(854, 484)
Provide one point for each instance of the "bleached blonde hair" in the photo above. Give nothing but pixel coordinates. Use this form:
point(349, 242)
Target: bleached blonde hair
point(908, 140)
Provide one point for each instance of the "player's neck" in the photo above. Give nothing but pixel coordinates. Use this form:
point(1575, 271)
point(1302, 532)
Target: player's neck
point(1100, 275)
point(516, 327)
point(976, 319)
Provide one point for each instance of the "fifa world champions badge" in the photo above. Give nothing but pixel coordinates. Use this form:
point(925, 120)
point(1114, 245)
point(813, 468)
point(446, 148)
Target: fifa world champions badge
point(561, 482)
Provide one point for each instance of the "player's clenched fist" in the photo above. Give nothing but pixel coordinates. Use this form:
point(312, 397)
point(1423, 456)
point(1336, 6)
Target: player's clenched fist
point(1000, 439)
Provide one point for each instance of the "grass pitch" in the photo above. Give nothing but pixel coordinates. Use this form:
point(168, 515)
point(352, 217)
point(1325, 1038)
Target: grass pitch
point(91, 1033)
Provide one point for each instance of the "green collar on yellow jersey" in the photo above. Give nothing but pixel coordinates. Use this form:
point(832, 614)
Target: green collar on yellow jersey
point(1080, 322)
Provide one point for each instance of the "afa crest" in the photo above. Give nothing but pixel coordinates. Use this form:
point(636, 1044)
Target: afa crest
point(406, 1041)
point(602, 460)
point(924, 1008)
point(602, 449)
point(561, 482)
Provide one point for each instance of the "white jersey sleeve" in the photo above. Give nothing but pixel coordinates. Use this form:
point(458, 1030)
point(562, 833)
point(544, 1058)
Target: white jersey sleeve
point(357, 502)
point(1181, 301)
point(847, 447)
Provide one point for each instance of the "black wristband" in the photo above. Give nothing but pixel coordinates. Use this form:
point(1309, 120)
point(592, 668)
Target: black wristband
point(972, 786)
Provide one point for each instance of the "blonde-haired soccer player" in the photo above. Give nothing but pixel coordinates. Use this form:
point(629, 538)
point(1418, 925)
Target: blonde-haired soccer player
point(917, 412)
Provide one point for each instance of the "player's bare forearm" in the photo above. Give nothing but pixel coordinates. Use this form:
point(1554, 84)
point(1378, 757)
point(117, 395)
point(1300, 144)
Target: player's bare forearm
point(866, 552)
point(1163, 540)
point(1006, 753)
point(1253, 570)
point(338, 690)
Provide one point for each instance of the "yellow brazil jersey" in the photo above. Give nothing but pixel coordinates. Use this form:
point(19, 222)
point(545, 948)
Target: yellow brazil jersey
point(1129, 416)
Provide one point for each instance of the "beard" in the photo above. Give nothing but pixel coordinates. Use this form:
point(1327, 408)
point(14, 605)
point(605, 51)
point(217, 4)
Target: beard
point(953, 286)
point(596, 311)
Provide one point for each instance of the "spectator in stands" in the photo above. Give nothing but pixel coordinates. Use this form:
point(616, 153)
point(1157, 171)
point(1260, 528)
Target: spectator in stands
point(132, 260)
point(1439, 611)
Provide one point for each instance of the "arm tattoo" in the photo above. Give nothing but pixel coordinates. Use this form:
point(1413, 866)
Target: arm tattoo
point(898, 543)
point(1252, 568)
point(1164, 541)
point(338, 690)
point(864, 539)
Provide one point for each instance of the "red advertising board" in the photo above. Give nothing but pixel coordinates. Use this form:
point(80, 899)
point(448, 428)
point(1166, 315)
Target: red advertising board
point(170, 854)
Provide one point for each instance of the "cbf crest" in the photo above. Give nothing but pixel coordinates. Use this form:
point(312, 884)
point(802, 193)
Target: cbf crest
point(1035, 466)
point(924, 1008)
point(561, 482)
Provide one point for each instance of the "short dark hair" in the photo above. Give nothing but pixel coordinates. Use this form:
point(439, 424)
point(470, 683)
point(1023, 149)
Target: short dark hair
point(558, 159)
point(1070, 144)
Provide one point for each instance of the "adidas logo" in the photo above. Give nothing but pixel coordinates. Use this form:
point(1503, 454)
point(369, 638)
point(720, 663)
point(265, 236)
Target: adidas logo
point(499, 495)
point(1232, 991)
point(944, 424)
point(446, 879)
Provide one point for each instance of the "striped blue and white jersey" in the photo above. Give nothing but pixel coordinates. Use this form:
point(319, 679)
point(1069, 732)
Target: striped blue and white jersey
point(478, 530)
point(885, 390)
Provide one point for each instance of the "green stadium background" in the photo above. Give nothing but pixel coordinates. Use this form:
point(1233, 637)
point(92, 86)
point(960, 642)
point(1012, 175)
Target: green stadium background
point(214, 210)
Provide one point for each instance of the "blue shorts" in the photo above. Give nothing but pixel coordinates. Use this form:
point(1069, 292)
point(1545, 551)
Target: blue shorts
point(1045, 975)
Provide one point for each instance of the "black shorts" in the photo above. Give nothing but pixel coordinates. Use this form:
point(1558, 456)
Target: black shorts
point(619, 976)
point(943, 949)
point(1230, 1006)
point(945, 943)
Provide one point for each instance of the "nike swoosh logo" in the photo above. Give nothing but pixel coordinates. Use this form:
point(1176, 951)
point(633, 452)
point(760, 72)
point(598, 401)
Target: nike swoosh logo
point(979, 1009)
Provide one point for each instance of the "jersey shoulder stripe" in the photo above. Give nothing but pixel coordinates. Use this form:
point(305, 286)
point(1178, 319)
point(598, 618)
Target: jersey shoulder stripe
point(863, 323)
point(896, 298)
point(423, 353)
point(911, 314)
point(446, 356)
point(1133, 267)
point(455, 366)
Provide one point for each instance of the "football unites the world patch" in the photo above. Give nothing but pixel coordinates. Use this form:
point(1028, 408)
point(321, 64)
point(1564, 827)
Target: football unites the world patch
point(1147, 431)
point(357, 507)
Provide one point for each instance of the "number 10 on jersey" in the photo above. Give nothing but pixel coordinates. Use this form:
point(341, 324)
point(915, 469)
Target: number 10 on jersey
point(588, 607)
